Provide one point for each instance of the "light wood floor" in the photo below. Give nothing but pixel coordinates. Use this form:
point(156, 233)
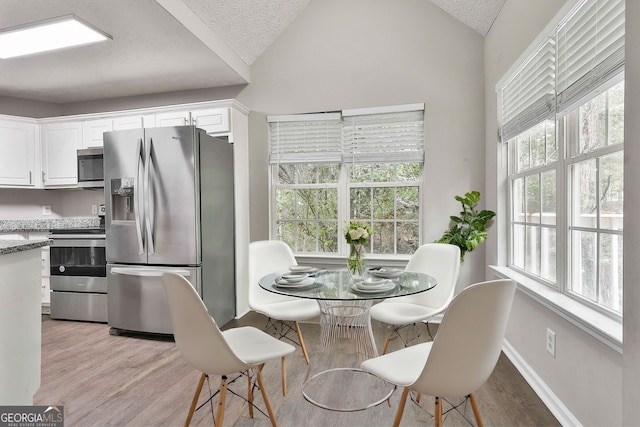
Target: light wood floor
point(105, 380)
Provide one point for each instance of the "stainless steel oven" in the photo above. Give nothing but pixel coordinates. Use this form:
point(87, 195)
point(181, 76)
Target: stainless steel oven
point(78, 275)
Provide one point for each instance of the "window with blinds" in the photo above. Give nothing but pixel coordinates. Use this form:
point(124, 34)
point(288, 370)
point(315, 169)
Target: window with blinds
point(590, 49)
point(305, 138)
point(562, 119)
point(584, 52)
point(384, 137)
point(361, 164)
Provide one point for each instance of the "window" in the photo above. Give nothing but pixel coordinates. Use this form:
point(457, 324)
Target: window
point(534, 156)
point(563, 123)
point(364, 165)
point(596, 193)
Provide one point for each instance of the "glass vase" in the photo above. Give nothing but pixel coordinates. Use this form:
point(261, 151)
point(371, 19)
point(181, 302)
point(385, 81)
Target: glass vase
point(356, 261)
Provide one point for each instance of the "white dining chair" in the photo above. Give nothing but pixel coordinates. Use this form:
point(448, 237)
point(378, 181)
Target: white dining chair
point(442, 262)
point(462, 355)
point(215, 352)
point(269, 256)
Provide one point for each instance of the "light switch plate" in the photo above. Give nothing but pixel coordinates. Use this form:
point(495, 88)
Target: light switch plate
point(46, 210)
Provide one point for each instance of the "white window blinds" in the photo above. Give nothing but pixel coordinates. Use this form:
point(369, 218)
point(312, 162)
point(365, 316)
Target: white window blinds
point(386, 134)
point(582, 53)
point(529, 97)
point(379, 136)
point(305, 138)
point(590, 49)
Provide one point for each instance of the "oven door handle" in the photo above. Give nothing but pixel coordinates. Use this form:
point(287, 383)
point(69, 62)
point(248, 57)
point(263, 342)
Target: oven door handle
point(147, 272)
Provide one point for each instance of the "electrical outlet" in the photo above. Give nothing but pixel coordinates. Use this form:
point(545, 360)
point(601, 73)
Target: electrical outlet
point(46, 210)
point(94, 209)
point(551, 342)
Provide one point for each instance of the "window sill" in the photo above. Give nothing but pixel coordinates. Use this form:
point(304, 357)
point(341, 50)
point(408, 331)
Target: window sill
point(598, 325)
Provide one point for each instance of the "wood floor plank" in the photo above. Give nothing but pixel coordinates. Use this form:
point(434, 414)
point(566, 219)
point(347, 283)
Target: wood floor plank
point(106, 380)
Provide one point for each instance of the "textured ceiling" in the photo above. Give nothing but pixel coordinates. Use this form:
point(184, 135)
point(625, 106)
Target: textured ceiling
point(248, 27)
point(164, 45)
point(476, 14)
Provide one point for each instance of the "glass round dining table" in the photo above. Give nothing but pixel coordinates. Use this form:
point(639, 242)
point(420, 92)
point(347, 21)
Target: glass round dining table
point(344, 302)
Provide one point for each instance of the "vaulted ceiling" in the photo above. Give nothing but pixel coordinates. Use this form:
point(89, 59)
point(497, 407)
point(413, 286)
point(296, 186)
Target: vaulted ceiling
point(164, 45)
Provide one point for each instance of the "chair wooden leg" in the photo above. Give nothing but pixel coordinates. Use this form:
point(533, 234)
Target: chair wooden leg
point(250, 393)
point(284, 376)
point(386, 345)
point(302, 346)
point(194, 401)
point(267, 402)
point(429, 331)
point(438, 416)
point(476, 411)
point(401, 405)
point(222, 399)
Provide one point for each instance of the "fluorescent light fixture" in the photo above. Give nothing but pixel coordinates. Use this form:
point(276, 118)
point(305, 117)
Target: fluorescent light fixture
point(51, 34)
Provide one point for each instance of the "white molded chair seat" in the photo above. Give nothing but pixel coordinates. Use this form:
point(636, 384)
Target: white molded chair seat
point(265, 257)
point(402, 313)
point(463, 353)
point(289, 310)
point(214, 352)
point(442, 262)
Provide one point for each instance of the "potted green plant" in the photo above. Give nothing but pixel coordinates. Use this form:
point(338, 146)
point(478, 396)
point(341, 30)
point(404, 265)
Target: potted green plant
point(469, 229)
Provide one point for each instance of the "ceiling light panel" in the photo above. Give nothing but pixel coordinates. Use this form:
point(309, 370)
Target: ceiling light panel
point(48, 35)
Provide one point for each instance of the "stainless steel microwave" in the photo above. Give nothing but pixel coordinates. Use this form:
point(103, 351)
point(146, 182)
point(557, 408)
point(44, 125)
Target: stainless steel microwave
point(90, 168)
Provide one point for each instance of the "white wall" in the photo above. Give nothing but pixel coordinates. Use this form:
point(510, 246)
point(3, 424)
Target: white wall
point(631, 330)
point(28, 108)
point(27, 203)
point(364, 53)
point(585, 375)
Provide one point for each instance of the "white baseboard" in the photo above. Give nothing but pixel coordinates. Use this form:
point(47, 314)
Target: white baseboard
point(555, 405)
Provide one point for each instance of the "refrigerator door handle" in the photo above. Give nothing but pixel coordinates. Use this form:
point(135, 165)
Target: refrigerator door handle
point(137, 211)
point(149, 217)
point(148, 272)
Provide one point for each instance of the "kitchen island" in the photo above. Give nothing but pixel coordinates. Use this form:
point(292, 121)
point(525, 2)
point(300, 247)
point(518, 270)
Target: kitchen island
point(20, 320)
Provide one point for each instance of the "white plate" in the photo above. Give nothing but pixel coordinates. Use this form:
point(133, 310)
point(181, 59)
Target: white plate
point(372, 281)
point(370, 290)
point(294, 277)
point(301, 268)
point(387, 273)
point(281, 283)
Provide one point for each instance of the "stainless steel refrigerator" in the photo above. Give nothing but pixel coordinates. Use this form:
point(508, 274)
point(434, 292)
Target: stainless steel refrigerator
point(169, 207)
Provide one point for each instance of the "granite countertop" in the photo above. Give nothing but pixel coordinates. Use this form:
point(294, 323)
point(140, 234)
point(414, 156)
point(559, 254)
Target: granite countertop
point(26, 225)
point(12, 246)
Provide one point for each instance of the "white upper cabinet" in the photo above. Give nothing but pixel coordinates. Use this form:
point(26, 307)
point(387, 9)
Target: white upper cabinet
point(212, 120)
point(173, 118)
point(133, 122)
point(92, 131)
point(60, 142)
point(215, 120)
point(17, 153)
point(42, 153)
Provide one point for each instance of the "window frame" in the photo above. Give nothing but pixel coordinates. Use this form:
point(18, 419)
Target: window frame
point(567, 136)
point(345, 184)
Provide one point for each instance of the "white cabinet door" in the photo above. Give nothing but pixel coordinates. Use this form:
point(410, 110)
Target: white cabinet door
point(215, 120)
point(59, 159)
point(133, 122)
point(17, 153)
point(92, 131)
point(43, 235)
point(179, 118)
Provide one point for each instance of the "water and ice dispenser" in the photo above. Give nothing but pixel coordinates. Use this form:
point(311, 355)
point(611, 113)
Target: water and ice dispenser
point(122, 199)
